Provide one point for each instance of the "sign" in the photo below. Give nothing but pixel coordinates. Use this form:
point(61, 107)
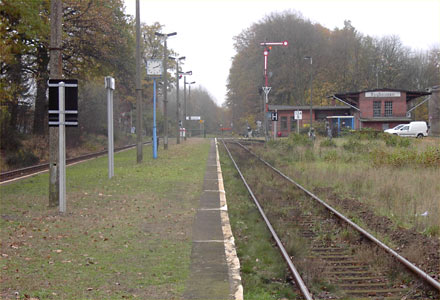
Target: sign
point(298, 114)
point(266, 89)
point(274, 116)
point(193, 118)
point(71, 102)
point(382, 94)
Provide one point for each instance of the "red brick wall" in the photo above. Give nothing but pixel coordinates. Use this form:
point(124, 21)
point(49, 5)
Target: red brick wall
point(366, 105)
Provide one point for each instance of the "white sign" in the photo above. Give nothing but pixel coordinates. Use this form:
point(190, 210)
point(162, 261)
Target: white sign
point(193, 118)
point(382, 94)
point(298, 114)
point(274, 116)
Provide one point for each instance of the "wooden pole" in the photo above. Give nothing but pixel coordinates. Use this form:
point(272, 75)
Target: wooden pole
point(56, 72)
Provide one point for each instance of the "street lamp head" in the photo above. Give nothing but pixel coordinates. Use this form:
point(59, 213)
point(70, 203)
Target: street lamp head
point(165, 34)
point(192, 82)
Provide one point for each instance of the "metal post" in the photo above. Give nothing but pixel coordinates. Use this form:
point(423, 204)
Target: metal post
point(165, 91)
point(138, 87)
point(177, 102)
point(109, 84)
point(154, 120)
point(62, 146)
point(266, 134)
point(275, 126)
point(56, 72)
point(184, 106)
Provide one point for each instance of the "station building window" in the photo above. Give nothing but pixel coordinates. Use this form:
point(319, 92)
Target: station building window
point(283, 123)
point(388, 108)
point(377, 108)
point(292, 123)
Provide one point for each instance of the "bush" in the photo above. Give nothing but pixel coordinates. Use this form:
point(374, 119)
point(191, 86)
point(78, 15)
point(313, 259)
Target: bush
point(392, 140)
point(366, 134)
point(353, 145)
point(21, 159)
point(327, 143)
point(299, 140)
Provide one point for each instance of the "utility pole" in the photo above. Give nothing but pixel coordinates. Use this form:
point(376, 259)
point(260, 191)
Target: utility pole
point(177, 102)
point(311, 92)
point(138, 87)
point(184, 106)
point(189, 103)
point(177, 95)
point(165, 92)
point(56, 72)
point(165, 87)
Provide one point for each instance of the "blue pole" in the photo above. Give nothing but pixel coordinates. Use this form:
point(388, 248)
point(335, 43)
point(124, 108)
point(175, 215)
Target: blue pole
point(154, 120)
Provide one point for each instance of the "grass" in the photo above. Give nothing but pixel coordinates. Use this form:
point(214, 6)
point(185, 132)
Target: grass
point(263, 270)
point(398, 180)
point(128, 237)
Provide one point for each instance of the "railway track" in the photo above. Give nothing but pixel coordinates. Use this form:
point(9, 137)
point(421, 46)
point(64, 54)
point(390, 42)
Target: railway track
point(353, 263)
point(28, 171)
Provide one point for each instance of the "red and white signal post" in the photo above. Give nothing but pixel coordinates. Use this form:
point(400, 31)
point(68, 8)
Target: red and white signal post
point(266, 89)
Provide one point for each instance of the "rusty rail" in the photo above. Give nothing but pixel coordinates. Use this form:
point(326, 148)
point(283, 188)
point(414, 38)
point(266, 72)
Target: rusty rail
point(295, 273)
point(419, 272)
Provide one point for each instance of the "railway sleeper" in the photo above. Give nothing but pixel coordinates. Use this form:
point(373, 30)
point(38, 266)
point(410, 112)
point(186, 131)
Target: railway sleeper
point(376, 292)
point(346, 286)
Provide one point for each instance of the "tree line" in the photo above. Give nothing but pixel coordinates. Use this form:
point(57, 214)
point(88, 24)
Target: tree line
point(344, 60)
point(98, 41)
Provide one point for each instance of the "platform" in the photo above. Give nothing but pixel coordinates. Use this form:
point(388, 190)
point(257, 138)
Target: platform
point(214, 270)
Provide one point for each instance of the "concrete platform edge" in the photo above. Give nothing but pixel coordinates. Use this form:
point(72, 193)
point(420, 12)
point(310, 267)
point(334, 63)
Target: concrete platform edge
point(230, 252)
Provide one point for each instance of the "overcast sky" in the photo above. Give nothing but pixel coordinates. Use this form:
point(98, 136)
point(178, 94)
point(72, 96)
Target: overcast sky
point(205, 28)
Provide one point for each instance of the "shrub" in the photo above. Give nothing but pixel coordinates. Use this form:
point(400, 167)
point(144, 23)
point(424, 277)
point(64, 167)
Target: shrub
point(392, 140)
point(21, 158)
point(299, 140)
point(327, 143)
point(353, 145)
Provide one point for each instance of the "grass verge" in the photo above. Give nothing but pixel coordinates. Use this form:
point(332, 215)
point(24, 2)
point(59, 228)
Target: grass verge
point(128, 237)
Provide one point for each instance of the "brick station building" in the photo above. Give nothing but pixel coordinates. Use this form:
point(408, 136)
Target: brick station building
point(380, 108)
point(286, 122)
point(377, 109)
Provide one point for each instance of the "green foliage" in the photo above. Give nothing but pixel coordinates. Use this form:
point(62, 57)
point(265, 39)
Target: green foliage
point(21, 158)
point(327, 143)
point(299, 140)
point(354, 145)
point(430, 157)
point(392, 140)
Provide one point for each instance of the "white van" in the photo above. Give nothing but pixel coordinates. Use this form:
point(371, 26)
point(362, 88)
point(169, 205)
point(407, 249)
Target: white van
point(394, 130)
point(416, 129)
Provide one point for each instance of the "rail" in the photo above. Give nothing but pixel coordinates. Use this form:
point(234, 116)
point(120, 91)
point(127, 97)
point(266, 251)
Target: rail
point(422, 274)
point(17, 173)
point(295, 273)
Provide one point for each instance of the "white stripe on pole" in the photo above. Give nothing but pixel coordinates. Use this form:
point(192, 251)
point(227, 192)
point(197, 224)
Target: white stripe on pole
point(62, 146)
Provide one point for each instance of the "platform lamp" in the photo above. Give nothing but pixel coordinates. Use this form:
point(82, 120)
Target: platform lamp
point(177, 59)
point(184, 100)
point(165, 85)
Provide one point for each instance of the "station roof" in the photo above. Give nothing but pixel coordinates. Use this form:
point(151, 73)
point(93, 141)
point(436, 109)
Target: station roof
point(353, 97)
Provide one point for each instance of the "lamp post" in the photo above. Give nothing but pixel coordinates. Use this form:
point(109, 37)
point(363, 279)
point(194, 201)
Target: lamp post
point(184, 101)
point(177, 94)
point(165, 87)
point(311, 91)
